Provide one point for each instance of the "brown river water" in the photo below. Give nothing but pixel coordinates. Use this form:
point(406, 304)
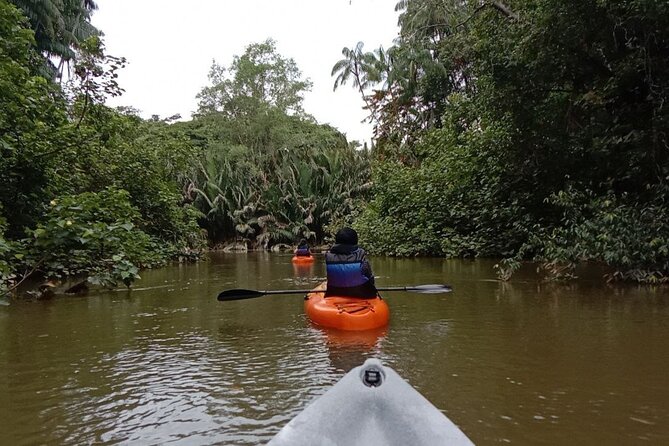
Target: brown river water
point(510, 363)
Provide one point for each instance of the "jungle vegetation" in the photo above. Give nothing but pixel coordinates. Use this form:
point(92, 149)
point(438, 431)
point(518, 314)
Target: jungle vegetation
point(523, 130)
point(95, 194)
point(533, 129)
point(268, 174)
point(87, 192)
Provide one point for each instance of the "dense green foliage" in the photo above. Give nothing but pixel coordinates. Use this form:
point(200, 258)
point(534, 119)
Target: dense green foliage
point(93, 194)
point(533, 129)
point(87, 192)
point(60, 27)
point(7, 253)
point(32, 113)
point(522, 129)
point(92, 234)
point(269, 174)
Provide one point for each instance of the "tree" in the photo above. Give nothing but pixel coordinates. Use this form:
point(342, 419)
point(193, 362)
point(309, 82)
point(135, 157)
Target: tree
point(269, 173)
point(60, 26)
point(354, 65)
point(538, 127)
point(258, 79)
point(32, 114)
point(84, 189)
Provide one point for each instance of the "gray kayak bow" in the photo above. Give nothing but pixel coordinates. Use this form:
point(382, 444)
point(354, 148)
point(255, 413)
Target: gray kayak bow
point(371, 405)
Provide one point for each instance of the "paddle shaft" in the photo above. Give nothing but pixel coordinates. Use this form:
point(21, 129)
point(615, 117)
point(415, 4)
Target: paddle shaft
point(392, 288)
point(239, 294)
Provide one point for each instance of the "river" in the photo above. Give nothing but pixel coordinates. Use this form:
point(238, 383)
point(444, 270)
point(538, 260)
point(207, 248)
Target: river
point(510, 363)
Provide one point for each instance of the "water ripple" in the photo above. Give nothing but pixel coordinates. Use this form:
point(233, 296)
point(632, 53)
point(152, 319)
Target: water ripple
point(180, 368)
point(194, 388)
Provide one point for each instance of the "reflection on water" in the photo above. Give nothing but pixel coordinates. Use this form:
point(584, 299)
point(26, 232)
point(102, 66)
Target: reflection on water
point(303, 275)
point(519, 362)
point(349, 349)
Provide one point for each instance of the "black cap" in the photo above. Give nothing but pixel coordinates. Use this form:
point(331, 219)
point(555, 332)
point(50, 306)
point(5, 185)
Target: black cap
point(346, 236)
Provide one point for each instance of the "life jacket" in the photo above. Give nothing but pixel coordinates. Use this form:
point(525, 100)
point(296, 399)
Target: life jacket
point(302, 251)
point(344, 275)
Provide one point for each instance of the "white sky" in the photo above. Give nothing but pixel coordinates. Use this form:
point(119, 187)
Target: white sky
point(170, 45)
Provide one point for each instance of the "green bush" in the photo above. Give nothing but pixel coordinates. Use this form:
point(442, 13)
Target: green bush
point(457, 199)
point(629, 236)
point(404, 217)
point(94, 235)
point(7, 251)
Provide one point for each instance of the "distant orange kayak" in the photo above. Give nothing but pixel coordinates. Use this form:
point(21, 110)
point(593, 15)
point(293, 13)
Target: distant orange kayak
point(346, 313)
point(303, 259)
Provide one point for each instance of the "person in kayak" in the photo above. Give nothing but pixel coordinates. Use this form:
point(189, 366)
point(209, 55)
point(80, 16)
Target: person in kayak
point(349, 274)
point(303, 249)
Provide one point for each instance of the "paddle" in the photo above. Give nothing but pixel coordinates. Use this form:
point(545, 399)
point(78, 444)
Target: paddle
point(239, 294)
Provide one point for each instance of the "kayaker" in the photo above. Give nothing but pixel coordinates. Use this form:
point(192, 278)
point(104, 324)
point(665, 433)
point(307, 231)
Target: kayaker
point(303, 249)
point(349, 274)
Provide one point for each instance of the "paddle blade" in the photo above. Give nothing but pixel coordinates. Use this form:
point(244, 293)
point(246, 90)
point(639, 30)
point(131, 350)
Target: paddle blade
point(431, 289)
point(239, 294)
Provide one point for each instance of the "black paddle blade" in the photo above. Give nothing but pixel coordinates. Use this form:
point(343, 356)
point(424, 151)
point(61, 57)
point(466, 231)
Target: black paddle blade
point(431, 289)
point(239, 294)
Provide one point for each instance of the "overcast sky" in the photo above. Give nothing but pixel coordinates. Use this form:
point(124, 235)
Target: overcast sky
point(170, 46)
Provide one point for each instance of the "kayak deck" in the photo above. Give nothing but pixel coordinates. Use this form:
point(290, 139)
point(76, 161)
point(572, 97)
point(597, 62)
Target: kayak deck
point(371, 405)
point(345, 313)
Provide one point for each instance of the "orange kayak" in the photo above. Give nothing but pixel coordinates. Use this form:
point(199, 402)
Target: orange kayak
point(346, 313)
point(303, 259)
